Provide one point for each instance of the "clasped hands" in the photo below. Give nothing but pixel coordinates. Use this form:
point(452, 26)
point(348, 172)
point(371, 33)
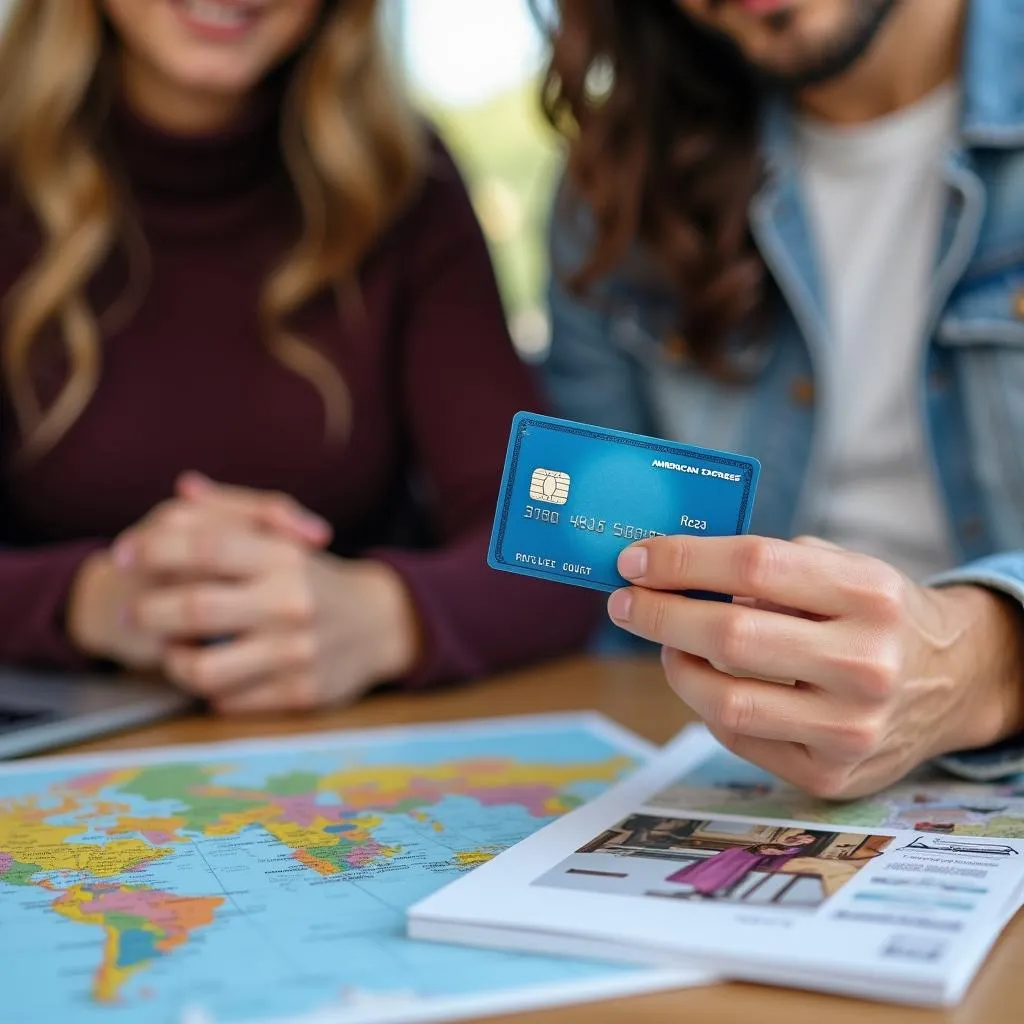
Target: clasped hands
point(231, 594)
point(831, 669)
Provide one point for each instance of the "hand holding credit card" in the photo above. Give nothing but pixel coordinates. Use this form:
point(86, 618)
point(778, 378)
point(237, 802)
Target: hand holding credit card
point(573, 496)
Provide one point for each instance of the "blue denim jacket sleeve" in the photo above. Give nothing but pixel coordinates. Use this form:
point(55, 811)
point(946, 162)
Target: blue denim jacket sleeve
point(1002, 571)
point(588, 376)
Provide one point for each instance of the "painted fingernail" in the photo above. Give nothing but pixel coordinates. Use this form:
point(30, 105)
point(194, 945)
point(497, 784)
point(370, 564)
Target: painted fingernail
point(124, 554)
point(619, 605)
point(633, 563)
point(314, 523)
point(197, 480)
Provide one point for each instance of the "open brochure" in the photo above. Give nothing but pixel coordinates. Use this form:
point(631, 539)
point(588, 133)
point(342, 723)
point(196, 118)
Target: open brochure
point(703, 860)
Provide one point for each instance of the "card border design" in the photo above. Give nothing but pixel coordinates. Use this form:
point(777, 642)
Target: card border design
point(522, 422)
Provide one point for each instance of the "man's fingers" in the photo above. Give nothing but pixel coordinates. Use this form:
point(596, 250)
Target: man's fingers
point(793, 763)
point(825, 581)
point(749, 641)
point(268, 510)
point(747, 707)
point(726, 670)
point(795, 733)
point(817, 542)
point(790, 762)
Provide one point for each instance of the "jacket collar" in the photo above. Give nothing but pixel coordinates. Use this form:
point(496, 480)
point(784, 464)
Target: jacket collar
point(993, 74)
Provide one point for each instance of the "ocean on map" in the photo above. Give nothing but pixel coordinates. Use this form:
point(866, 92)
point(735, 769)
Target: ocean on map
point(280, 937)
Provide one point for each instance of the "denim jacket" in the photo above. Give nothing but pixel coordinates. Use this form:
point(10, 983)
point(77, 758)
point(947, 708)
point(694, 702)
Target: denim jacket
point(609, 364)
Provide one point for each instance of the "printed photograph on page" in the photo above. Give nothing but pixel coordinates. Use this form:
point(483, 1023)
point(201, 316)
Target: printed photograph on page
point(758, 864)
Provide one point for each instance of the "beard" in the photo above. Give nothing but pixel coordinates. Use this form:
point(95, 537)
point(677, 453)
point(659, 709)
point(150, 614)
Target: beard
point(833, 56)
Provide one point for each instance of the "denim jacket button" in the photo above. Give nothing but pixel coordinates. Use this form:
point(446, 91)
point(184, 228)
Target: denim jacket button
point(801, 391)
point(676, 348)
point(1018, 304)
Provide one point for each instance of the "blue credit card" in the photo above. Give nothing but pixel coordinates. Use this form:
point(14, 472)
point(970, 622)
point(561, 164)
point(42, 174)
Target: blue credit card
point(573, 496)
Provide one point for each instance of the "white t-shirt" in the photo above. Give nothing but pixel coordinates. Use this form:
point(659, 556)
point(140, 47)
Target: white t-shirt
point(875, 197)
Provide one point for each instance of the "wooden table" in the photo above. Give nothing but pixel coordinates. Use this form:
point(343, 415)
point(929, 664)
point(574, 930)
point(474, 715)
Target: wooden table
point(632, 693)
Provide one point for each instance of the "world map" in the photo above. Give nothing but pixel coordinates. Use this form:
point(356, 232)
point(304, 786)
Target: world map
point(254, 882)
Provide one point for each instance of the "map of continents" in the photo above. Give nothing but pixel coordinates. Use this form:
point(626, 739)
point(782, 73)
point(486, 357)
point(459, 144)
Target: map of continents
point(258, 882)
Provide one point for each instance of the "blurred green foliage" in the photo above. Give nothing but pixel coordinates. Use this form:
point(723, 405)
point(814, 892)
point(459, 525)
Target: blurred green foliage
point(510, 158)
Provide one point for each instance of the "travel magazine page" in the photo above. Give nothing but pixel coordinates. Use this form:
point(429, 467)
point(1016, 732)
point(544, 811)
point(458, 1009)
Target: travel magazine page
point(702, 859)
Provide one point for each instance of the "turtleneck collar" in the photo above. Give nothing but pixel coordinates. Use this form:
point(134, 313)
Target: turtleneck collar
point(227, 166)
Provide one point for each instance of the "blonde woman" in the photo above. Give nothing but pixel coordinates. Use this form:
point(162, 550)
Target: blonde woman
point(256, 378)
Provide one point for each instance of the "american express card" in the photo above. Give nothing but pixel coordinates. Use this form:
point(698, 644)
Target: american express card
point(573, 496)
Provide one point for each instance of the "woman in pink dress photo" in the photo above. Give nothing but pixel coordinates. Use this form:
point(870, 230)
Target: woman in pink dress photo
point(724, 870)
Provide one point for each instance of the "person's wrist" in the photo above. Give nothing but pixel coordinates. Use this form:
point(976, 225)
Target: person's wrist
point(87, 619)
point(989, 667)
point(395, 628)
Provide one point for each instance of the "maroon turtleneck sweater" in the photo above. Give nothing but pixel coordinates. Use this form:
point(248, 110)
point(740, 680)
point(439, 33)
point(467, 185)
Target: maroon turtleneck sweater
point(187, 383)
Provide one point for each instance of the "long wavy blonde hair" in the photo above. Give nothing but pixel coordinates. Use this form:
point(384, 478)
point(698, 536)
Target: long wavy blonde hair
point(352, 147)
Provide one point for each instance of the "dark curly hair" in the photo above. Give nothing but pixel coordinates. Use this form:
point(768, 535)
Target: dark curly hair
point(667, 155)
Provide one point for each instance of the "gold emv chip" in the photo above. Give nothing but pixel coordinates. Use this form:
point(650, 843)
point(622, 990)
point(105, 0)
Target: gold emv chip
point(549, 485)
